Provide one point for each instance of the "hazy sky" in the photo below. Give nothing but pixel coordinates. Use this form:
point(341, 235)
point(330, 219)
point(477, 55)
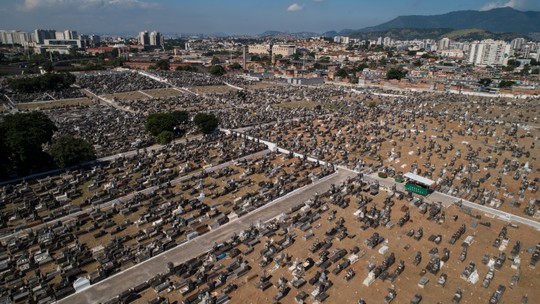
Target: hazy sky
point(229, 16)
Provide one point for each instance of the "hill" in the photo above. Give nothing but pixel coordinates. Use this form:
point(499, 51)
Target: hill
point(435, 33)
point(499, 20)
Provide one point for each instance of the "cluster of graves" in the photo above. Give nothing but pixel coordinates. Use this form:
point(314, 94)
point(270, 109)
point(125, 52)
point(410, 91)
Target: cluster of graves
point(351, 244)
point(30, 203)
point(483, 160)
point(42, 264)
point(343, 246)
point(108, 129)
point(112, 82)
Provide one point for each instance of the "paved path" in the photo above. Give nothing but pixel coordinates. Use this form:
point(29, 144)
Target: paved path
point(112, 286)
point(109, 102)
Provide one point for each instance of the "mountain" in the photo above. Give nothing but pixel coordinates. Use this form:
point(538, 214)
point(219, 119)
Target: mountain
point(436, 33)
point(499, 20)
point(287, 35)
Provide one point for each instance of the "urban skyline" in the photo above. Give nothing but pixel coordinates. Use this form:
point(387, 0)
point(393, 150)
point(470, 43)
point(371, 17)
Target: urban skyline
point(231, 17)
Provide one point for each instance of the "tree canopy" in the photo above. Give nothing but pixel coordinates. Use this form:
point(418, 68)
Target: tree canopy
point(396, 73)
point(504, 84)
point(159, 122)
point(206, 123)
point(47, 82)
point(68, 151)
point(180, 117)
point(21, 138)
point(341, 73)
point(187, 68)
point(217, 70)
point(163, 64)
point(485, 82)
point(164, 137)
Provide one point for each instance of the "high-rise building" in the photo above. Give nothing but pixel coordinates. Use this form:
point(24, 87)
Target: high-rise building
point(59, 36)
point(70, 35)
point(156, 39)
point(40, 35)
point(517, 43)
point(15, 37)
point(444, 44)
point(489, 52)
point(144, 38)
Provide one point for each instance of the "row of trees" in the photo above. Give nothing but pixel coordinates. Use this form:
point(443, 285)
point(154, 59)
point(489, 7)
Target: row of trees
point(23, 137)
point(164, 127)
point(47, 82)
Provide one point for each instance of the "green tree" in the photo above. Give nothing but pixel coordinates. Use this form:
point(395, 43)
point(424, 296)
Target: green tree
point(217, 70)
point(180, 117)
point(165, 137)
point(52, 82)
point(115, 53)
point(485, 82)
point(68, 151)
point(47, 66)
point(318, 66)
point(504, 84)
point(23, 135)
point(188, 68)
point(341, 73)
point(206, 123)
point(215, 61)
point(163, 65)
point(235, 66)
point(396, 73)
point(159, 122)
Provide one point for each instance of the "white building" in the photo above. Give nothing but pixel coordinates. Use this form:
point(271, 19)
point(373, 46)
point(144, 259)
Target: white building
point(489, 52)
point(444, 44)
point(262, 49)
point(15, 37)
point(283, 50)
point(156, 39)
point(144, 38)
point(342, 39)
point(517, 43)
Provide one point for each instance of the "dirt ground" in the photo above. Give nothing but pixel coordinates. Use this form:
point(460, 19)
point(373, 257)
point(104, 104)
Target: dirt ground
point(405, 248)
point(83, 101)
point(163, 92)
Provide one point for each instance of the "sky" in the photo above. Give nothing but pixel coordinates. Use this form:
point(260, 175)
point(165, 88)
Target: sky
point(128, 17)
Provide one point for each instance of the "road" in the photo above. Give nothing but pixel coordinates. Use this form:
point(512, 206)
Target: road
point(112, 286)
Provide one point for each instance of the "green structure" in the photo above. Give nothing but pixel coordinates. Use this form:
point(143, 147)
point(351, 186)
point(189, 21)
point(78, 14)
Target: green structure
point(414, 188)
point(418, 184)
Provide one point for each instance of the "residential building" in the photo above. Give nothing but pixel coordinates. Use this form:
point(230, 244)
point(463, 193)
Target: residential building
point(15, 37)
point(144, 38)
point(444, 44)
point(156, 39)
point(489, 52)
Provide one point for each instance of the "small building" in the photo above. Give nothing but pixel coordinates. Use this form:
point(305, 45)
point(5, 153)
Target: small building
point(305, 81)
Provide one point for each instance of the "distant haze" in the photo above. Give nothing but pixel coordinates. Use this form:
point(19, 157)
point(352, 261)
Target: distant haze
point(227, 16)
